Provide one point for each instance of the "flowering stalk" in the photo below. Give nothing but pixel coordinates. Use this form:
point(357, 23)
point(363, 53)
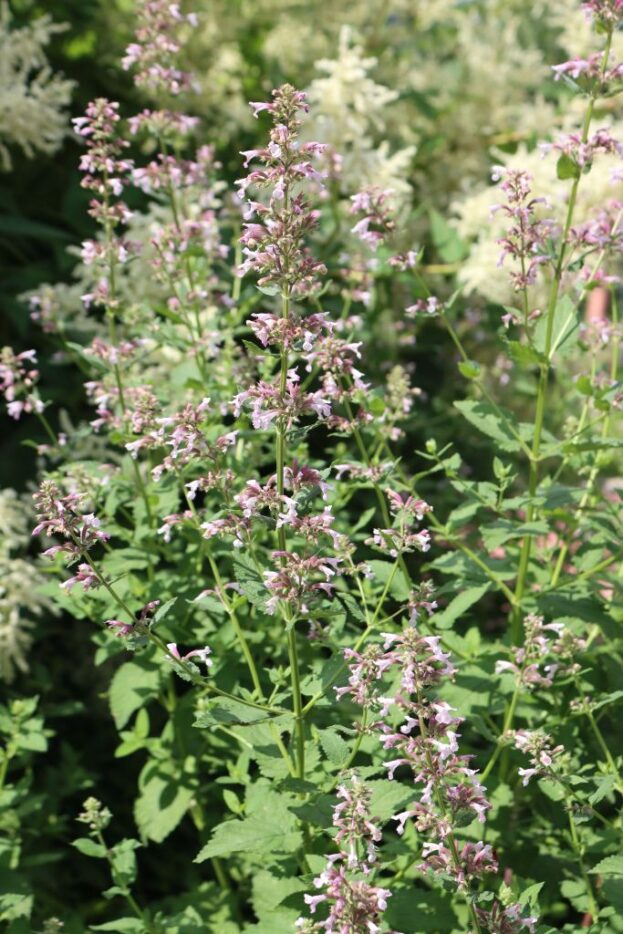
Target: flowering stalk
point(354, 904)
point(545, 365)
point(274, 247)
point(422, 731)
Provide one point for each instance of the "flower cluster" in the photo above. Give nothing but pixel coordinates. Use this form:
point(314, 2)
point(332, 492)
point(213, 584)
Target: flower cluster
point(60, 514)
point(377, 222)
point(606, 12)
point(273, 244)
point(401, 538)
point(18, 378)
point(526, 239)
point(155, 52)
point(586, 71)
point(106, 174)
point(423, 733)
point(354, 904)
point(581, 152)
point(298, 580)
point(509, 920)
point(534, 653)
point(543, 754)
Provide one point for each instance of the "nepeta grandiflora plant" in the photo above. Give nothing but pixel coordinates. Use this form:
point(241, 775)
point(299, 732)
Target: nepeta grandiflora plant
point(246, 527)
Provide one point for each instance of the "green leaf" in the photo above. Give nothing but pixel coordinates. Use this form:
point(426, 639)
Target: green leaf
point(16, 898)
point(351, 606)
point(565, 329)
point(250, 581)
point(382, 570)
point(414, 911)
point(449, 244)
point(566, 167)
point(503, 530)
point(491, 422)
point(89, 847)
point(123, 862)
point(605, 787)
point(224, 711)
point(469, 369)
point(122, 925)
point(462, 602)
point(386, 797)
point(575, 891)
point(605, 699)
point(530, 896)
point(270, 891)
point(265, 832)
point(162, 611)
point(524, 355)
point(334, 747)
point(610, 866)
point(133, 685)
point(163, 800)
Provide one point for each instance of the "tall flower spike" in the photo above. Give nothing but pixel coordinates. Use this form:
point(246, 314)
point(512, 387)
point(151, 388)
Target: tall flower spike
point(274, 242)
point(154, 54)
point(526, 238)
point(354, 905)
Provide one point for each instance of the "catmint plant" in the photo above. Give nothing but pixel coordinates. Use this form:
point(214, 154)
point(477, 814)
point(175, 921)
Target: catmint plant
point(364, 653)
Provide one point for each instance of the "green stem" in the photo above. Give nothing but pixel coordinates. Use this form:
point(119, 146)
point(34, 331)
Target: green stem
point(579, 852)
point(604, 748)
point(533, 479)
point(134, 905)
point(295, 677)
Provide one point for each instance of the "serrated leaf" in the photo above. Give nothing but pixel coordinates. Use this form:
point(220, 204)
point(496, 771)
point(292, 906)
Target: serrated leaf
point(134, 684)
point(387, 797)
point(224, 711)
point(334, 747)
point(523, 354)
point(565, 329)
point(610, 866)
point(122, 925)
point(530, 896)
point(260, 833)
point(163, 611)
point(250, 581)
point(383, 570)
point(89, 847)
point(270, 891)
point(566, 167)
point(163, 801)
point(490, 422)
point(606, 785)
point(462, 602)
point(503, 530)
point(123, 862)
